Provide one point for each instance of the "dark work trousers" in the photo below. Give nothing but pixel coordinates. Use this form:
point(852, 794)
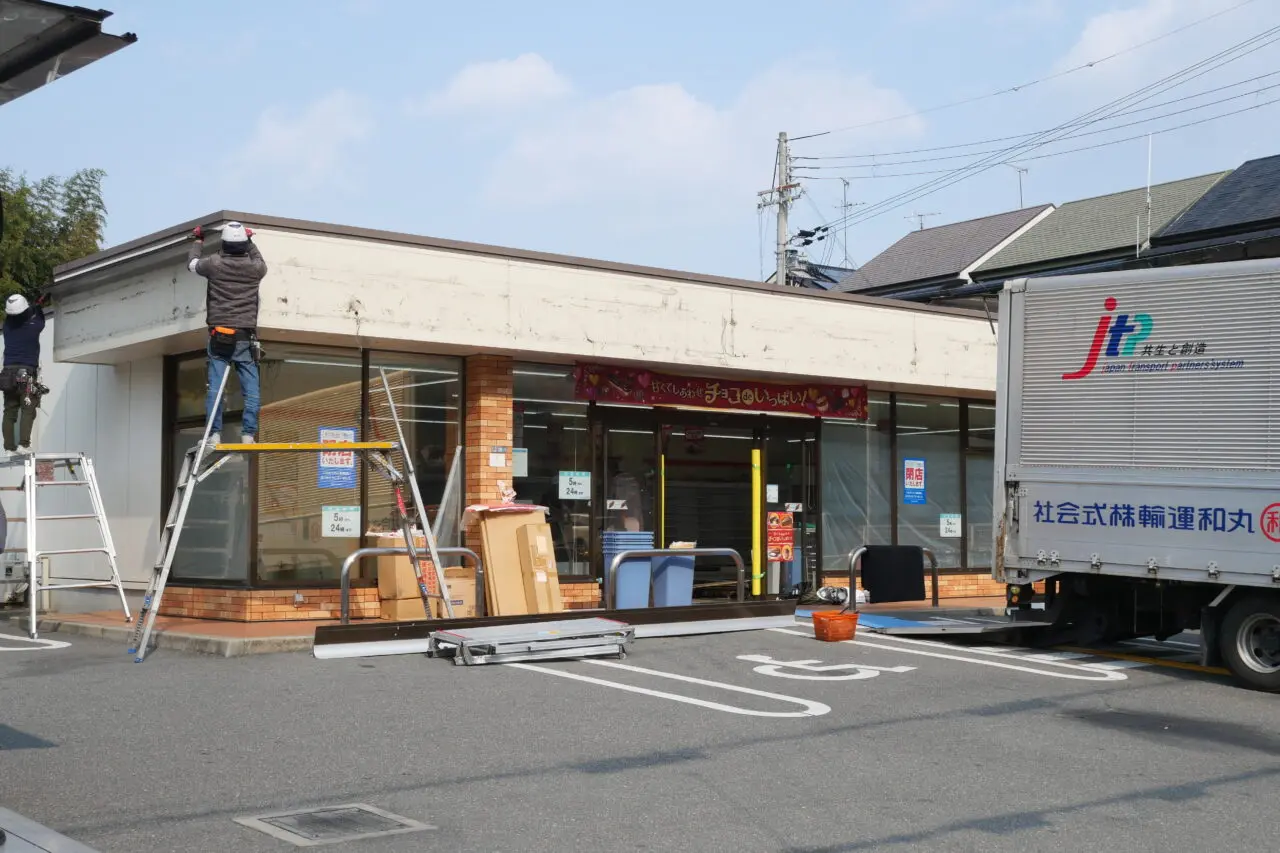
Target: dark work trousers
point(13, 407)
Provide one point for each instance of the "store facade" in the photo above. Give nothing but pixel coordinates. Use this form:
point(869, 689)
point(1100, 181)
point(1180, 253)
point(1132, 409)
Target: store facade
point(684, 407)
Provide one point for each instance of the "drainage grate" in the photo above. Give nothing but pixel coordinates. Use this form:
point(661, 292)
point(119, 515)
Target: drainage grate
point(331, 824)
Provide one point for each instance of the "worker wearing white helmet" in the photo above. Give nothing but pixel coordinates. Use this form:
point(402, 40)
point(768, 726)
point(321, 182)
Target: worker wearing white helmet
point(231, 313)
point(23, 324)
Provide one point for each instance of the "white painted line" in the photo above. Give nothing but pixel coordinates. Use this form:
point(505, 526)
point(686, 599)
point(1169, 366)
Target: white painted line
point(1077, 672)
point(1117, 664)
point(1052, 656)
point(811, 709)
point(36, 645)
point(855, 671)
point(1182, 648)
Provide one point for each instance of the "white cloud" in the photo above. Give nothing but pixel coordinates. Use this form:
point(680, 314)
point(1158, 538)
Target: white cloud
point(1120, 29)
point(308, 149)
point(658, 146)
point(503, 84)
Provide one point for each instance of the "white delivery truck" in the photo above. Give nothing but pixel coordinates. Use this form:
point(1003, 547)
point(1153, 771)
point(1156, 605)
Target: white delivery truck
point(1138, 457)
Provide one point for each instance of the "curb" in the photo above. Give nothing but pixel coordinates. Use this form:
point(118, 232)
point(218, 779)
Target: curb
point(227, 647)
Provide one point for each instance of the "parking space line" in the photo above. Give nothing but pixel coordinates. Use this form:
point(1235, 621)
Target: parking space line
point(811, 708)
point(1074, 672)
point(35, 645)
point(1148, 661)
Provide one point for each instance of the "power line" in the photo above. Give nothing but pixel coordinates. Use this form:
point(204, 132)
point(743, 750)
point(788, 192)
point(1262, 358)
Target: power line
point(1145, 93)
point(1028, 135)
point(1027, 85)
point(1249, 94)
point(1055, 153)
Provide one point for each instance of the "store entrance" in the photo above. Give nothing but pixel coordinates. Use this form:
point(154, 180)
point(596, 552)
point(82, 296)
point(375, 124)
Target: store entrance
point(706, 491)
point(746, 482)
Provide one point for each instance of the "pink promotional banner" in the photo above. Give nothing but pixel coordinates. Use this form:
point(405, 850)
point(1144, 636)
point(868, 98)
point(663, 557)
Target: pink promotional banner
point(638, 387)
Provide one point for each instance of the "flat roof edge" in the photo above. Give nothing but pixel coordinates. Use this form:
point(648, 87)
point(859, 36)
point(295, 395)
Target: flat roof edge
point(303, 226)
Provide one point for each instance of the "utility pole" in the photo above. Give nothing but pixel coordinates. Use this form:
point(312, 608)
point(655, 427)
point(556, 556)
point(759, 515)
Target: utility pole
point(784, 192)
point(920, 217)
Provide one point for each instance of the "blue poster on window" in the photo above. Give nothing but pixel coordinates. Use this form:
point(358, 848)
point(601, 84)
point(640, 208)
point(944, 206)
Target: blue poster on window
point(913, 486)
point(337, 469)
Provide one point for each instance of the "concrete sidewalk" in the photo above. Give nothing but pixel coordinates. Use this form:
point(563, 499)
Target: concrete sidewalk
point(236, 639)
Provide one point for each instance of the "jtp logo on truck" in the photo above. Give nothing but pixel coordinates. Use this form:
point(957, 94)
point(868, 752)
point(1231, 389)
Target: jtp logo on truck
point(1123, 337)
point(1119, 334)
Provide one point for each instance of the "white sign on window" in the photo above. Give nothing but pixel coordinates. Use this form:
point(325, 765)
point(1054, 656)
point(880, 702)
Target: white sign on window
point(519, 462)
point(342, 522)
point(771, 493)
point(949, 525)
point(575, 485)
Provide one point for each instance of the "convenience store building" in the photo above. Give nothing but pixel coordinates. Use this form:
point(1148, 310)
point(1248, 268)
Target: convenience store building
point(620, 397)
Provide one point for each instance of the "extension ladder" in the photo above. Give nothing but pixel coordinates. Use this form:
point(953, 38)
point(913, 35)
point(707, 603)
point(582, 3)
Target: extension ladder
point(80, 468)
point(196, 468)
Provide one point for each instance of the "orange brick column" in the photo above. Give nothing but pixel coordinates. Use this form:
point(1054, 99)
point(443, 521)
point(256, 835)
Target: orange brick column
point(488, 425)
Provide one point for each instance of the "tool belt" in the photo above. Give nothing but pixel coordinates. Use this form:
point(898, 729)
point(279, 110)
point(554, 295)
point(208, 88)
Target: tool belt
point(223, 340)
point(22, 380)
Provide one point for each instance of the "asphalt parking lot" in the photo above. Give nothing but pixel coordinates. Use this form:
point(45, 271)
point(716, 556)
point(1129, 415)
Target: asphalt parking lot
point(760, 741)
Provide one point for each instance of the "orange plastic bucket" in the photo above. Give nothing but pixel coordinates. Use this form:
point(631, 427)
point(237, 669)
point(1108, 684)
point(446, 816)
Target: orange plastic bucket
point(832, 626)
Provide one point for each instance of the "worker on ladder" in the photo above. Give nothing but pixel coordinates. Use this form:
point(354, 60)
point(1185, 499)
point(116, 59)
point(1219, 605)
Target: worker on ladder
point(231, 313)
point(19, 378)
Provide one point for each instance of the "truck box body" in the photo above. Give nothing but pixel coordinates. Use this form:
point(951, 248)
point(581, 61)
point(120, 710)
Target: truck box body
point(1138, 425)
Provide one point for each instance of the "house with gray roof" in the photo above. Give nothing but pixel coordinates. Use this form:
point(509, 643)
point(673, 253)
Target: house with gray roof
point(931, 261)
point(1237, 219)
point(1092, 234)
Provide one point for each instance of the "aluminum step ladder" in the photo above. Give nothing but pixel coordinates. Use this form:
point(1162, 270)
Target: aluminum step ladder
point(80, 469)
point(197, 467)
point(567, 638)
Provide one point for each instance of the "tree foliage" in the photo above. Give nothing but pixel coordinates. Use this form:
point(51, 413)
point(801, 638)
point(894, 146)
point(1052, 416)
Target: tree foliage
point(46, 223)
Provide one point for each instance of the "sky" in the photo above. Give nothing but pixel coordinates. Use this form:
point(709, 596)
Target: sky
point(644, 135)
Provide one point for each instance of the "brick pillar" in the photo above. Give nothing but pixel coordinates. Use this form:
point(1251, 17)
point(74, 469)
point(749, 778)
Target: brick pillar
point(488, 424)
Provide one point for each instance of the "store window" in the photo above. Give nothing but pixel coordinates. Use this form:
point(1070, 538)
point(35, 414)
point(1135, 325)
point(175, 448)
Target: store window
point(980, 442)
point(308, 512)
point(928, 474)
point(428, 396)
point(214, 546)
point(856, 478)
point(551, 460)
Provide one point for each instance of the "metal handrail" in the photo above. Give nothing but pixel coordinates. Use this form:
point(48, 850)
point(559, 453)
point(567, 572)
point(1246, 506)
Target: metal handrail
point(855, 563)
point(358, 554)
point(611, 577)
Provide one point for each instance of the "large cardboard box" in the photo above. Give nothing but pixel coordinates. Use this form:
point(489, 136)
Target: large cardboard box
point(538, 566)
point(500, 550)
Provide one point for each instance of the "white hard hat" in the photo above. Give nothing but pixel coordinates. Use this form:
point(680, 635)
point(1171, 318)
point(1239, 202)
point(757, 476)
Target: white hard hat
point(16, 304)
point(233, 232)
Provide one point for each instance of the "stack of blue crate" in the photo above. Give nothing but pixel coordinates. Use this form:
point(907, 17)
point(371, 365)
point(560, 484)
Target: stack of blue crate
point(632, 582)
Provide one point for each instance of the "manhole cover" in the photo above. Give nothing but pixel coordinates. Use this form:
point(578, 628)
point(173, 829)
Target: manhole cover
point(331, 824)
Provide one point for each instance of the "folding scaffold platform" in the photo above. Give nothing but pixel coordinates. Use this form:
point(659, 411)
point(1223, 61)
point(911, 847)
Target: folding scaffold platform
point(203, 460)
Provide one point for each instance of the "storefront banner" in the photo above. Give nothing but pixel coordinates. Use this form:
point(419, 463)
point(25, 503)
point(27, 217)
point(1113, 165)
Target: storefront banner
point(646, 388)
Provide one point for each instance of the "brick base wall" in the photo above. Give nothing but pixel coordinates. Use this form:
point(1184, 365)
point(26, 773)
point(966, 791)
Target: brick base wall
point(580, 596)
point(974, 585)
point(266, 605)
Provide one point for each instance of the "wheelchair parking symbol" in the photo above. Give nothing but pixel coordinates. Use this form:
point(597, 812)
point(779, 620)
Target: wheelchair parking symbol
point(811, 670)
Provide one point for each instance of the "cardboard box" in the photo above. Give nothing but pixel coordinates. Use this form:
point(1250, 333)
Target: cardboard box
point(395, 574)
point(538, 567)
point(403, 609)
point(500, 550)
point(462, 593)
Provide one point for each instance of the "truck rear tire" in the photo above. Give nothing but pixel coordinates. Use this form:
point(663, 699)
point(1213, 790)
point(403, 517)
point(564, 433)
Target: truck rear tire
point(1250, 641)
